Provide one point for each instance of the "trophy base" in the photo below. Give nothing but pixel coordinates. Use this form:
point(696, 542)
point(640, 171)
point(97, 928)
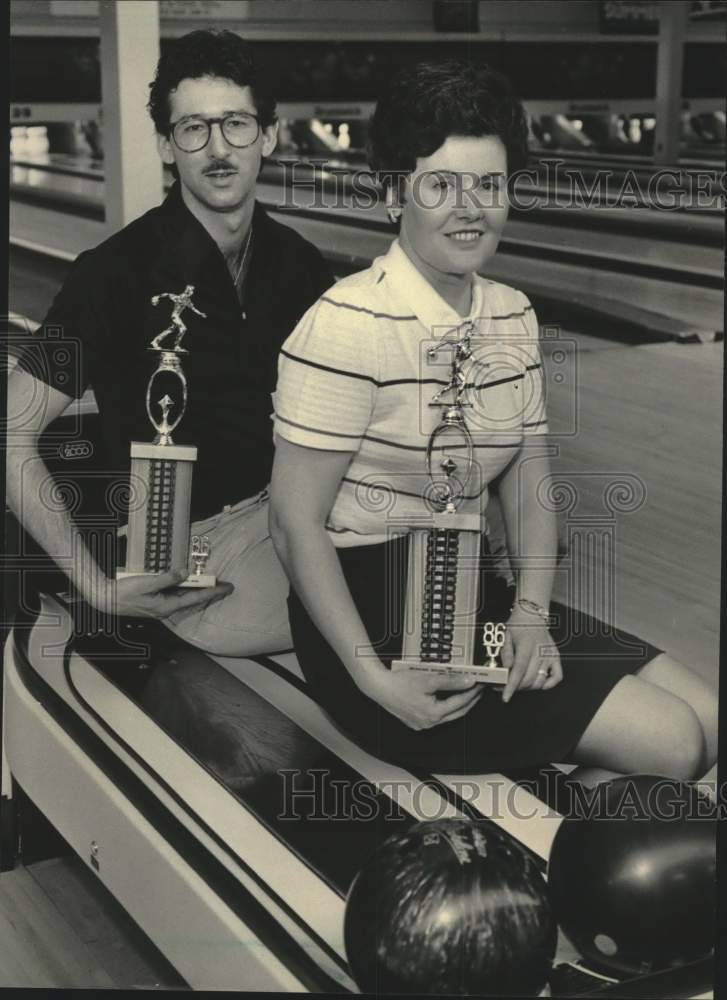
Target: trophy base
point(199, 580)
point(194, 580)
point(484, 674)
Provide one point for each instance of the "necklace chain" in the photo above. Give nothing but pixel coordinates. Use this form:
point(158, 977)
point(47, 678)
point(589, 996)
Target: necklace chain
point(244, 257)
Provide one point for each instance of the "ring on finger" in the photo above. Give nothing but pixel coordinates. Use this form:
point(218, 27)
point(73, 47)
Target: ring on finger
point(544, 672)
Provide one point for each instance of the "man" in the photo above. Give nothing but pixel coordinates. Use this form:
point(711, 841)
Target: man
point(252, 280)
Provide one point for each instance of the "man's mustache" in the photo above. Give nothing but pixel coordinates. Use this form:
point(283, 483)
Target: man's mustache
point(218, 165)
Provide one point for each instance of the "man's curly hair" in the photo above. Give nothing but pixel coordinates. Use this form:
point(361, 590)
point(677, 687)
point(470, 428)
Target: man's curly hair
point(425, 104)
point(208, 53)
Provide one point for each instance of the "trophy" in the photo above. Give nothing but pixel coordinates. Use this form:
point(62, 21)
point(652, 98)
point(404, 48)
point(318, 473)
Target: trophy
point(444, 555)
point(158, 528)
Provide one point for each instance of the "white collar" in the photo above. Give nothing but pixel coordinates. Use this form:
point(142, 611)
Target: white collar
point(416, 295)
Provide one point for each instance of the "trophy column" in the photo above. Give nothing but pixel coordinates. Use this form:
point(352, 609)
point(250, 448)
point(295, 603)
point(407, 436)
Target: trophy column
point(158, 530)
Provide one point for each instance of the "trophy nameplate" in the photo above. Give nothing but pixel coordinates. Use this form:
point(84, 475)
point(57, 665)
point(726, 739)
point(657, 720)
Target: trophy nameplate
point(442, 596)
point(158, 529)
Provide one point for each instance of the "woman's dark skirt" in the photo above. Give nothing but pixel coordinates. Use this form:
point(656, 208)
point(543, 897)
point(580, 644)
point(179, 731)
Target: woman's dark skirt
point(533, 728)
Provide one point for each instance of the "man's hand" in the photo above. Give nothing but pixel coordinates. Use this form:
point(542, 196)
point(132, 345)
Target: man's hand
point(531, 656)
point(412, 696)
point(154, 597)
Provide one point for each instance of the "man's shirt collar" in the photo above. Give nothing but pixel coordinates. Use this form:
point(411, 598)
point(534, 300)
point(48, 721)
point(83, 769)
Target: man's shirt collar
point(190, 245)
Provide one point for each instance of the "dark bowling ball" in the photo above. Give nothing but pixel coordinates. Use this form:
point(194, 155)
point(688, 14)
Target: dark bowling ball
point(450, 907)
point(632, 882)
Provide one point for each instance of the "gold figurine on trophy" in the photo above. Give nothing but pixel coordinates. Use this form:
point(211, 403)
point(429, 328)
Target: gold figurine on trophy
point(158, 530)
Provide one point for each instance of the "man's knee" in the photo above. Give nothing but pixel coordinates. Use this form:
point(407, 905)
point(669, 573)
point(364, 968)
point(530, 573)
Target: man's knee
point(220, 641)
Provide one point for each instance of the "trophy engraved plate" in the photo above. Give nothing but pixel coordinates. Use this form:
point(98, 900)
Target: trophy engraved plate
point(443, 569)
point(158, 529)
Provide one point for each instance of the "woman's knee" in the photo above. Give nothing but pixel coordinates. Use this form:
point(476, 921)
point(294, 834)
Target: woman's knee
point(687, 749)
point(641, 727)
point(688, 686)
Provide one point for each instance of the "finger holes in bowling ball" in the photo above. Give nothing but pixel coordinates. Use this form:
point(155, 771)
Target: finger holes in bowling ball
point(605, 944)
point(450, 907)
point(632, 880)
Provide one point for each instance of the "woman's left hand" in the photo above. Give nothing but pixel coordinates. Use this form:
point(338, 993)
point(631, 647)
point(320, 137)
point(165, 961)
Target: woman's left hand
point(530, 654)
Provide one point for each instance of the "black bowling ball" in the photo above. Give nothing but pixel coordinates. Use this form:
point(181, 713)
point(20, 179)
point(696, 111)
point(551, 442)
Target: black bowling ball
point(450, 907)
point(632, 881)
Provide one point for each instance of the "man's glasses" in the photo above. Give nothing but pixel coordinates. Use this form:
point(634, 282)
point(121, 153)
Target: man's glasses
point(240, 129)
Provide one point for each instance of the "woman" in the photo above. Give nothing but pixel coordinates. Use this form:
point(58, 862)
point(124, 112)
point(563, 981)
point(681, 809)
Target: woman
point(360, 380)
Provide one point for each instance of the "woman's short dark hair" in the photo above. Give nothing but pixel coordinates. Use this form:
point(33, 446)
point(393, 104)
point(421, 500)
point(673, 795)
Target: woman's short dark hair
point(426, 103)
point(208, 53)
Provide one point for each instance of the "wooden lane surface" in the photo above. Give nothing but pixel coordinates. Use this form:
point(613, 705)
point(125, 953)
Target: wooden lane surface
point(38, 948)
point(653, 412)
point(59, 927)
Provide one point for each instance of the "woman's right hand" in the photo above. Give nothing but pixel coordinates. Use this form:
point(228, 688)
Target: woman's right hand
point(411, 695)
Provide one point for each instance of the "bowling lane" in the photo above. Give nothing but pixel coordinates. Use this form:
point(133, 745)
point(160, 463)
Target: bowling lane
point(106, 690)
point(34, 281)
point(648, 416)
point(668, 263)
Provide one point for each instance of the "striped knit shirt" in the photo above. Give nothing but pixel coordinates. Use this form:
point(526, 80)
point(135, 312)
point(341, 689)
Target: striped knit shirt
point(358, 375)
